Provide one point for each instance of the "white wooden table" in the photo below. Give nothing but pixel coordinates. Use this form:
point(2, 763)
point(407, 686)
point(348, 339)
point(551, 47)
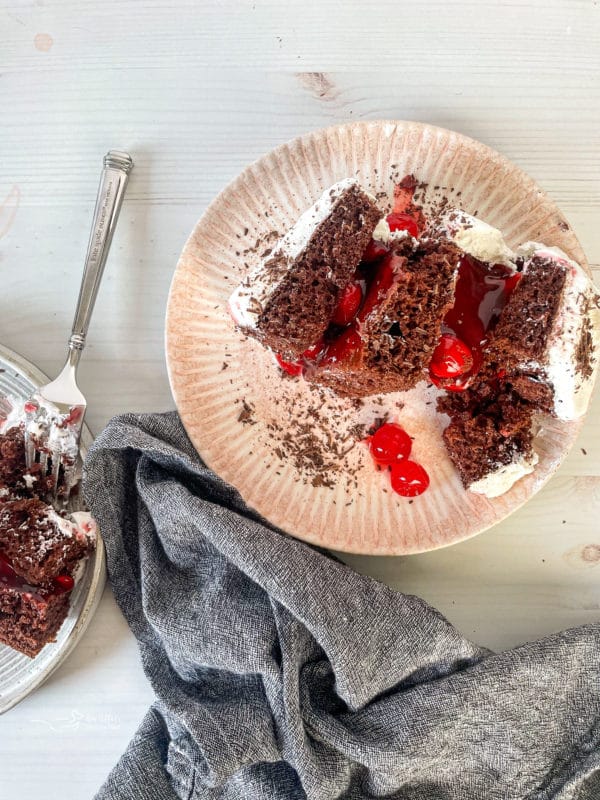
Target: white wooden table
point(196, 90)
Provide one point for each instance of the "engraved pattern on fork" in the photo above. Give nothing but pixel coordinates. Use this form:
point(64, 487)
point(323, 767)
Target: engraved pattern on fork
point(53, 416)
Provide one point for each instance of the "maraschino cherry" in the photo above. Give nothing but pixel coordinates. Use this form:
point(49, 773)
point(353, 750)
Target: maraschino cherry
point(451, 358)
point(390, 446)
point(64, 582)
point(390, 443)
point(409, 479)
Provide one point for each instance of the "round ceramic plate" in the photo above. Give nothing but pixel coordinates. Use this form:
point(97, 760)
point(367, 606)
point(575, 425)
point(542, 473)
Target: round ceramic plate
point(20, 675)
point(294, 451)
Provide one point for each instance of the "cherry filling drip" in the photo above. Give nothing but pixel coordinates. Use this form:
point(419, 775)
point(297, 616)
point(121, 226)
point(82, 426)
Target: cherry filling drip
point(481, 293)
point(61, 584)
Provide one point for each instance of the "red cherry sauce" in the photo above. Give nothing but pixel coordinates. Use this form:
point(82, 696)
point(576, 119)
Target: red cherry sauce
point(481, 293)
point(10, 579)
point(342, 340)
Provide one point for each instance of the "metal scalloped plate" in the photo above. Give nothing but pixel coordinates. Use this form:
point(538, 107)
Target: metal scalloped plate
point(270, 195)
point(20, 675)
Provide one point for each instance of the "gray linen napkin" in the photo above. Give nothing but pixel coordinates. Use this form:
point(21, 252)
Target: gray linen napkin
point(281, 673)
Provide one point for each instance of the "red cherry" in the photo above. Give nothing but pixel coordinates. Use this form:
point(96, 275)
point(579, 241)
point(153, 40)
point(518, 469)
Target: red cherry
point(349, 304)
point(65, 582)
point(409, 479)
point(30, 407)
point(344, 346)
point(459, 385)
point(375, 250)
point(293, 368)
point(403, 222)
point(390, 444)
point(451, 358)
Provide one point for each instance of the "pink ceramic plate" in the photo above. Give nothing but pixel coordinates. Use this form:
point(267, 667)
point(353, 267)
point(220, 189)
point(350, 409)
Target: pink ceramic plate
point(268, 435)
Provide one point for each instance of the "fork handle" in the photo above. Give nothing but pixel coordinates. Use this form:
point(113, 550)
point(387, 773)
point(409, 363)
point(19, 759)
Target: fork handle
point(115, 174)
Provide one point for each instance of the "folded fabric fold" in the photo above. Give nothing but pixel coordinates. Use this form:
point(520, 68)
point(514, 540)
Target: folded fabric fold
point(281, 673)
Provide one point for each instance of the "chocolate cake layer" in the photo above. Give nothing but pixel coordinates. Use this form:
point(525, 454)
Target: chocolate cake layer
point(39, 543)
point(14, 475)
point(490, 427)
point(523, 329)
point(309, 286)
point(28, 621)
point(401, 332)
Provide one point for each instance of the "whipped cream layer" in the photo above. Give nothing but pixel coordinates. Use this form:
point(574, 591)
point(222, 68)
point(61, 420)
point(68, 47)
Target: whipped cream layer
point(247, 302)
point(79, 524)
point(475, 237)
point(502, 479)
point(384, 234)
point(45, 424)
point(578, 316)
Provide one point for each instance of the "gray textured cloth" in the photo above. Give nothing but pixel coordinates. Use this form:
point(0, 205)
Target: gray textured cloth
point(281, 673)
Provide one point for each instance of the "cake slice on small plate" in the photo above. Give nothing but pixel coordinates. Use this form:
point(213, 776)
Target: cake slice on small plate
point(41, 557)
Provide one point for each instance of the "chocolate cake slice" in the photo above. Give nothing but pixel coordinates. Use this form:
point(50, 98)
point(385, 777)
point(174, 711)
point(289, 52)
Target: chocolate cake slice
point(40, 554)
point(540, 358)
point(41, 543)
point(41, 549)
point(490, 436)
point(30, 616)
point(547, 336)
point(287, 302)
point(389, 346)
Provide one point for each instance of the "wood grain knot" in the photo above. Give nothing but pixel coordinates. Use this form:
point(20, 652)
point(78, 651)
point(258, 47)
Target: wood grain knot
point(319, 84)
point(591, 553)
point(43, 42)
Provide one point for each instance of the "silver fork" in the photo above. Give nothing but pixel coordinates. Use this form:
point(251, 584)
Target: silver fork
point(53, 415)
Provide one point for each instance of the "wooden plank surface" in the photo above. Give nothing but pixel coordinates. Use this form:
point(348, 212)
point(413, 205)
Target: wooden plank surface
point(195, 91)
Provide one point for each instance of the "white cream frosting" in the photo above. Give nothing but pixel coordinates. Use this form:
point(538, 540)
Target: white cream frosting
point(85, 523)
point(248, 300)
point(501, 479)
point(41, 425)
point(572, 390)
point(79, 523)
point(382, 233)
point(477, 238)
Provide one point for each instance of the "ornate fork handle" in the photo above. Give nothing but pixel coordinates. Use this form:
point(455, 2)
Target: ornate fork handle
point(115, 174)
